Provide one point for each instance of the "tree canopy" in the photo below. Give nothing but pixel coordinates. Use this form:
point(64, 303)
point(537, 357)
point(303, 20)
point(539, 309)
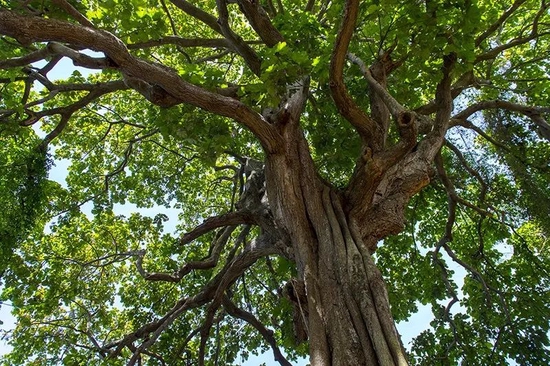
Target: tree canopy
point(418, 128)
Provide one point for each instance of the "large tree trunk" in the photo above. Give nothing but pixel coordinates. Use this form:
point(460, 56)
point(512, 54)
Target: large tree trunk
point(348, 314)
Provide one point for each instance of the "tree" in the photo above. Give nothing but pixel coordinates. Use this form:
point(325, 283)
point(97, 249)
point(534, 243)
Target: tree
point(328, 160)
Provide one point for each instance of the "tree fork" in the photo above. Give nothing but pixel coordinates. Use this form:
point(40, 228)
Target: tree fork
point(349, 320)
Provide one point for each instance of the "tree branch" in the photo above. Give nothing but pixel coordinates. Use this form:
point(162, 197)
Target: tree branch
point(464, 82)
point(79, 59)
point(259, 20)
point(443, 97)
point(32, 29)
point(470, 170)
point(393, 105)
point(73, 12)
point(150, 332)
point(26, 59)
point(236, 312)
point(210, 262)
point(368, 130)
point(430, 145)
point(212, 223)
point(534, 34)
point(96, 91)
point(246, 52)
point(182, 42)
point(451, 191)
point(496, 25)
point(534, 113)
point(198, 14)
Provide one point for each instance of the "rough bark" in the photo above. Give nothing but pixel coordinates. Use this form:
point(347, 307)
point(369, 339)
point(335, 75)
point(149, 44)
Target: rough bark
point(349, 321)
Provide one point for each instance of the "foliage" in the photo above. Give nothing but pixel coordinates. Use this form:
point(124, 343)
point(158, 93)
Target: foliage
point(89, 282)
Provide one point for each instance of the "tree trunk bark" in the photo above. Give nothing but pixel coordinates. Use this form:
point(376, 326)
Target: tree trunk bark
point(348, 314)
point(353, 302)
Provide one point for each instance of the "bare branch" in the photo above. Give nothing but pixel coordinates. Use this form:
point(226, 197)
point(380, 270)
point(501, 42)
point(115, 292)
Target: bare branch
point(430, 145)
point(79, 59)
point(25, 60)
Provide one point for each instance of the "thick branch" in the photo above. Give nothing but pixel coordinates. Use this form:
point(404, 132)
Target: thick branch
point(259, 20)
point(393, 105)
point(212, 223)
point(406, 125)
point(370, 133)
point(443, 97)
point(199, 14)
point(430, 145)
point(291, 109)
point(239, 45)
point(31, 29)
